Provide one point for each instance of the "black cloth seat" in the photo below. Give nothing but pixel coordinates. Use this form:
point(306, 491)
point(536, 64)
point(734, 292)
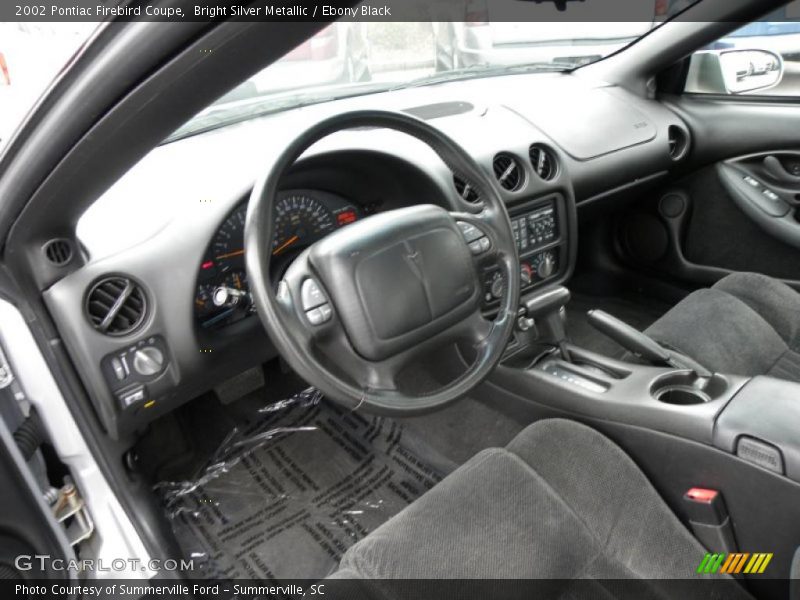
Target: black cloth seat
point(560, 502)
point(747, 324)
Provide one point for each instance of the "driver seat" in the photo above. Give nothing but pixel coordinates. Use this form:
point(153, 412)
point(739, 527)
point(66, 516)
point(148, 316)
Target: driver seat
point(560, 502)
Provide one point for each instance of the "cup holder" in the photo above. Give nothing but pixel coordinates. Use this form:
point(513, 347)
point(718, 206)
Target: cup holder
point(685, 388)
point(681, 395)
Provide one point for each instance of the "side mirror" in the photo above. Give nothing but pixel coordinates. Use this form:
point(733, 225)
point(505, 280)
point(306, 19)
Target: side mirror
point(733, 71)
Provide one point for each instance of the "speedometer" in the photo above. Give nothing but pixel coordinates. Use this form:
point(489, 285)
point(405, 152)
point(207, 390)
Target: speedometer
point(300, 220)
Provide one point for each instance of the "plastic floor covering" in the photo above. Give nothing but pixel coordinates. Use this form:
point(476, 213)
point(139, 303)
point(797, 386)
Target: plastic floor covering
point(286, 497)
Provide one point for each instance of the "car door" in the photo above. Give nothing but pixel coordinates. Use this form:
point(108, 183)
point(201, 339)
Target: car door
point(735, 205)
point(34, 548)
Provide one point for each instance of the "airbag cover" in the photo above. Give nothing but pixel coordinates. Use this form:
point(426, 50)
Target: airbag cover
point(397, 278)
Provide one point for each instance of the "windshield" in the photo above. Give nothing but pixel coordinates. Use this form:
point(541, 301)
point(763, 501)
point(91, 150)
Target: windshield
point(352, 58)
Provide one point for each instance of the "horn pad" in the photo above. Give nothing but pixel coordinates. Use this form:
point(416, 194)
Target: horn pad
point(398, 278)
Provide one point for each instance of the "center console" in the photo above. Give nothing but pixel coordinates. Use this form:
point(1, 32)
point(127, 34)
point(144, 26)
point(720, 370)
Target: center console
point(755, 419)
point(685, 426)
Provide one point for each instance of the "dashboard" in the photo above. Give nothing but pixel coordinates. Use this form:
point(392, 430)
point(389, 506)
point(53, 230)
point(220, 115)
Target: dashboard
point(301, 218)
point(176, 263)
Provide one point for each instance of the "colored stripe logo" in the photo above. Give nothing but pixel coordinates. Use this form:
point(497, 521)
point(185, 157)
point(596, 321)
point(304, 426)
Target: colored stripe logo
point(736, 562)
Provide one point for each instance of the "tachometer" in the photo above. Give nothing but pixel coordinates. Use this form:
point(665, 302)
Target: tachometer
point(228, 243)
point(299, 221)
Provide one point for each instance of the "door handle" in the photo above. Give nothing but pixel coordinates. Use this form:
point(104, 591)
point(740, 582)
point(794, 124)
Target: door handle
point(777, 171)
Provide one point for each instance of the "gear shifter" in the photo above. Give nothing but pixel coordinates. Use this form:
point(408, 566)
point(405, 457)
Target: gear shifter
point(546, 310)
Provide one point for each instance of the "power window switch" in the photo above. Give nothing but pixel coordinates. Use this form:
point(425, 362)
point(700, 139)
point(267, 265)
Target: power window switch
point(770, 195)
point(752, 182)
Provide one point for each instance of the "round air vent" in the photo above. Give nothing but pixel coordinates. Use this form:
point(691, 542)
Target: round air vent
point(508, 172)
point(116, 305)
point(58, 252)
point(543, 161)
point(678, 139)
point(465, 190)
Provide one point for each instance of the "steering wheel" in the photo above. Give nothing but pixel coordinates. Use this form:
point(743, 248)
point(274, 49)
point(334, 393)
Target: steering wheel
point(359, 305)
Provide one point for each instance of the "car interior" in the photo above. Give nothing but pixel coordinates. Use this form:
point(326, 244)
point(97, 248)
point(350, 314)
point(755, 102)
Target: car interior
point(509, 326)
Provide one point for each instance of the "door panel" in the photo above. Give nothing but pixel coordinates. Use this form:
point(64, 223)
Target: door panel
point(718, 233)
point(737, 206)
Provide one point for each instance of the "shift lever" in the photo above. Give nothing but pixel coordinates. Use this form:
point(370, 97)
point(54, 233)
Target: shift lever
point(641, 344)
point(545, 309)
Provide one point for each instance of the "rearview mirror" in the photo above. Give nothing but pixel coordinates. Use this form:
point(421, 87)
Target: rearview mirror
point(733, 71)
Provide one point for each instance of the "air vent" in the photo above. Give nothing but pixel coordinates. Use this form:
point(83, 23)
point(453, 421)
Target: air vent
point(465, 190)
point(58, 252)
point(508, 172)
point(678, 140)
point(116, 305)
point(543, 161)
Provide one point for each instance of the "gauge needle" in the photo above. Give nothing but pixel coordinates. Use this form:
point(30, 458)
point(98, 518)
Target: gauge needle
point(285, 245)
point(230, 255)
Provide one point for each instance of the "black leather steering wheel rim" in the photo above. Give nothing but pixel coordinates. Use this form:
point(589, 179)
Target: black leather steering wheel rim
point(280, 313)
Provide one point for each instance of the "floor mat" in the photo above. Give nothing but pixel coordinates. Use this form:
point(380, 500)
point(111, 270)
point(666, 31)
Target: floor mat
point(287, 496)
point(639, 312)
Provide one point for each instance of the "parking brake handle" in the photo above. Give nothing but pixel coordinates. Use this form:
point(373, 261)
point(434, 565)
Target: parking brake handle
point(628, 337)
point(641, 344)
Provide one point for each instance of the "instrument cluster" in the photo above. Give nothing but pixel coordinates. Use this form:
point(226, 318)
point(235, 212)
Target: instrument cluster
point(302, 217)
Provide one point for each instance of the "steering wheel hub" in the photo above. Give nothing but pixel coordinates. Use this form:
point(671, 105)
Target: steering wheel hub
point(398, 278)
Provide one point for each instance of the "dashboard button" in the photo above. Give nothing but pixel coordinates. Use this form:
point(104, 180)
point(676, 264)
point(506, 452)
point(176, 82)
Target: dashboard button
point(470, 232)
point(485, 244)
point(310, 295)
point(132, 396)
point(119, 370)
point(314, 316)
point(319, 315)
point(475, 247)
point(326, 311)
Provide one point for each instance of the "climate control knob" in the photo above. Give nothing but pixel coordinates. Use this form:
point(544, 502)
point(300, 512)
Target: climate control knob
point(545, 265)
point(148, 361)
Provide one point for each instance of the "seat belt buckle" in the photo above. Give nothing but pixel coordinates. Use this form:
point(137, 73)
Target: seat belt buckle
point(709, 519)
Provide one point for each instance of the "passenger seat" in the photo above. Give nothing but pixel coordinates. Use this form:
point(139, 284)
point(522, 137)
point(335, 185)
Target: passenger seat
point(746, 324)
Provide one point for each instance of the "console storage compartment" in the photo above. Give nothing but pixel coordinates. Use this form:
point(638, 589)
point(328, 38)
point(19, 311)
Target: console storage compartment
point(761, 425)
